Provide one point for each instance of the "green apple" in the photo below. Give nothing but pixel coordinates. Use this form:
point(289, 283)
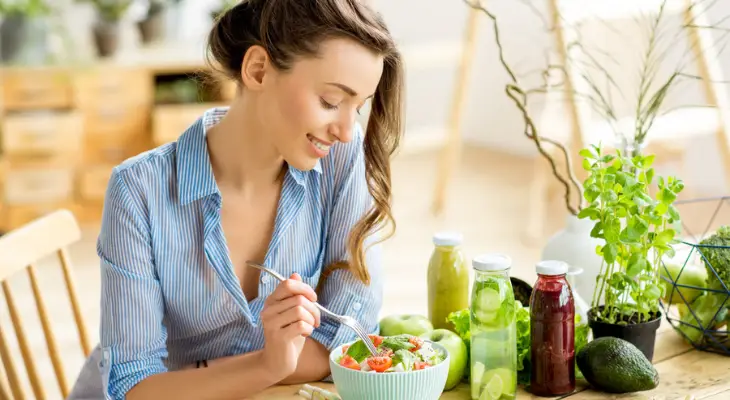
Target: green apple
point(415, 325)
point(458, 356)
point(692, 275)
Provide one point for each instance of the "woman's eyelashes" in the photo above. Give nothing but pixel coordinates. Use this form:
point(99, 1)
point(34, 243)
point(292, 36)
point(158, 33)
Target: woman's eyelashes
point(329, 106)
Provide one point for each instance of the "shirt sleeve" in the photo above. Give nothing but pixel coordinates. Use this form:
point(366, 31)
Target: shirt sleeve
point(342, 292)
point(132, 335)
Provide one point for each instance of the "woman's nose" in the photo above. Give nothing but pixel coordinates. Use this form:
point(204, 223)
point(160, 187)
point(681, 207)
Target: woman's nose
point(342, 129)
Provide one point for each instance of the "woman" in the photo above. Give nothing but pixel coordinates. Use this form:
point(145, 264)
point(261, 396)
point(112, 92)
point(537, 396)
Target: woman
point(283, 177)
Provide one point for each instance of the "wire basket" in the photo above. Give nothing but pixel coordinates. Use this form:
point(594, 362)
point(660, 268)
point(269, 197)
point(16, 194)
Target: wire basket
point(699, 313)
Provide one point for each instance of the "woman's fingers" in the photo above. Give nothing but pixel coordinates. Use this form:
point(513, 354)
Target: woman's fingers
point(298, 329)
point(291, 302)
point(292, 316)
point(290, 287)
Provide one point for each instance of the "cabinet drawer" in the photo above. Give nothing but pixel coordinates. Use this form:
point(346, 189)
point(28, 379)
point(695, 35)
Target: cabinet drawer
point(17, 216)
point(43, 132)
point(113, 149)
point(171, 121)
point(93, 182)
point(125, 121)
point(24, 89)
point(114, 87)
point(31, 185)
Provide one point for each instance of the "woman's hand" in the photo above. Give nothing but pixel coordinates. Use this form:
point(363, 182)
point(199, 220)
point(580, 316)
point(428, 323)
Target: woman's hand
point(288, 318)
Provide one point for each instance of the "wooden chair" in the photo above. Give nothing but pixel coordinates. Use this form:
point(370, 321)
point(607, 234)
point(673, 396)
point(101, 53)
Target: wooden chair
point(575, 124)
point(20, 249)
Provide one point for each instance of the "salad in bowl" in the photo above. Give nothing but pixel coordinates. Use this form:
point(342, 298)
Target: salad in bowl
point(406, 368)
point(400, 353)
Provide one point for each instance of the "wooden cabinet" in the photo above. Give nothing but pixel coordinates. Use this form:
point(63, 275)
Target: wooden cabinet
point(45, 132)
point(170, 121)
point(36, 88)
point(62, 130)
point(35, 185)
point(93, 182)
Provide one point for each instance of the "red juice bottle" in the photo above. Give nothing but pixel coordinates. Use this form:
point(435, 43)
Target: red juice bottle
point(552, 331)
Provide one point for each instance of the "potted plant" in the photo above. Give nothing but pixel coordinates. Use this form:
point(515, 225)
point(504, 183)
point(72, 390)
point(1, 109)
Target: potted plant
point(152, 27)
point(22, 26)
point(106, 29)
point(637, 231)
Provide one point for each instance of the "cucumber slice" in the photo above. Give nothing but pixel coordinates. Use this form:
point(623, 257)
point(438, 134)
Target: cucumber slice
point(488, 299)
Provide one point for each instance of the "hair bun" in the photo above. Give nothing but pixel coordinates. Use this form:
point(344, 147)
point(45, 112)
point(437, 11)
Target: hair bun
point(234, 31)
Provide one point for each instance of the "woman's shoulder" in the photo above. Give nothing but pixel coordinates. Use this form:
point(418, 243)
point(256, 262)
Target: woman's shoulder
point(144, 174)
point(149, 159)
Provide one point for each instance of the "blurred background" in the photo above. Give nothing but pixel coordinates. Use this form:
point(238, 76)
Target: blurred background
point(87, 84)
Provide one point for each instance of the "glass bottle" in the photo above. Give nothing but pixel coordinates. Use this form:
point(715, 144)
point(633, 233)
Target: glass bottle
point(448, 279)
point(493, 372)
point(552, 331)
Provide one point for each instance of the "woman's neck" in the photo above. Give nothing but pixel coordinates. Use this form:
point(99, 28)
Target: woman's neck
point(241, 155)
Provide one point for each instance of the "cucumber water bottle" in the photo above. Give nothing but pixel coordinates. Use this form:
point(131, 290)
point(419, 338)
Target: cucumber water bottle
point(493, 330)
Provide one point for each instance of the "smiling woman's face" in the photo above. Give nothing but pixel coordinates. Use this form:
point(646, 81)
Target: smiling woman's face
point(309, 107)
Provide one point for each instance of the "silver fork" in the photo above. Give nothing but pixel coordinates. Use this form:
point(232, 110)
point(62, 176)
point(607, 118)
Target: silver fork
point(343, 319)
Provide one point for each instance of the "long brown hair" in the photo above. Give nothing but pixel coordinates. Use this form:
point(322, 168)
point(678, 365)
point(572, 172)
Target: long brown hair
point(288, 29)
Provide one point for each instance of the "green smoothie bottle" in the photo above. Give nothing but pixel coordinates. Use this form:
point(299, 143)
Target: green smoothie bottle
point(448, 279)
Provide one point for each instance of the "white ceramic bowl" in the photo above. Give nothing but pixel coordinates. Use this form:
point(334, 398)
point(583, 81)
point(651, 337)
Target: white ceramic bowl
point(424, 384)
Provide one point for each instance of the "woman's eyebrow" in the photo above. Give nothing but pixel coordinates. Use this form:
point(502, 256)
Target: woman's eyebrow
point(344, 88)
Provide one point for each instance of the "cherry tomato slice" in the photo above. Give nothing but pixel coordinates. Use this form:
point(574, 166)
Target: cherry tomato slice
point(377, 340)
point(380, 364)
point(417, 342)
point(344, 348)
point(421, 365)
point(349, 362)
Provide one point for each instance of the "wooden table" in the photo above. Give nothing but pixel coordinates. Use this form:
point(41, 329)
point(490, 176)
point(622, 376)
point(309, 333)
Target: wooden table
point(683, 373)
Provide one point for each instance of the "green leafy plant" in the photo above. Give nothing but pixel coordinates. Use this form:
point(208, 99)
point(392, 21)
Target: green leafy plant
point(638, 230)
point(110, 10)
point(28, 8)
point(223, 6)
point(597, 74)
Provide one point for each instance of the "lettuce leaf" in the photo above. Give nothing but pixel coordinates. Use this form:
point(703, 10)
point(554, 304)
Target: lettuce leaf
point(406, 357)
point(358, 351)
point(522, 321)
point(461, 321)
point(399, 342)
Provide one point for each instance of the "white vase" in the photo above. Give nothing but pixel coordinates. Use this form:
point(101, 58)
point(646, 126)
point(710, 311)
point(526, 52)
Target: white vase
point(575, 246)
point(581, 305)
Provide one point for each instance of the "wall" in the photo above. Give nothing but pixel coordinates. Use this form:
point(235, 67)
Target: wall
point(431, 32)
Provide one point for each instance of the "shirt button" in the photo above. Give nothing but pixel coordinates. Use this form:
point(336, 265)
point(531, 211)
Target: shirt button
point(266, 279)
point(357, 306)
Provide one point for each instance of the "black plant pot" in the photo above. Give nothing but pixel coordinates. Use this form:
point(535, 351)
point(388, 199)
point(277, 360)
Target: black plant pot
point(522, 290)
point(106, 38)
point(13, 30)
point(642, 335)
point(152, 28)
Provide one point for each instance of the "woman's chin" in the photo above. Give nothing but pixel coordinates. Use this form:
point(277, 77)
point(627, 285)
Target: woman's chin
point(304, 163)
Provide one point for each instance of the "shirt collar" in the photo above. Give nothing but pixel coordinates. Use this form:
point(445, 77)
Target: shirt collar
point(194, 170)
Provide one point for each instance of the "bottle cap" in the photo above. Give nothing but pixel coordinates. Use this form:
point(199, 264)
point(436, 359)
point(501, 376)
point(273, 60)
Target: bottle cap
point(491, 262)
point(447, 238)
point(551, 267)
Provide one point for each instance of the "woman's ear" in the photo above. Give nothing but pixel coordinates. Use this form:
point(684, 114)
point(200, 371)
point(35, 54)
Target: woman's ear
point(254, 67)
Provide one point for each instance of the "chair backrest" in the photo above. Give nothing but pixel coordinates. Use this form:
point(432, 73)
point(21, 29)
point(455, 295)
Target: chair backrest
point(568, 14)
point(20, 250)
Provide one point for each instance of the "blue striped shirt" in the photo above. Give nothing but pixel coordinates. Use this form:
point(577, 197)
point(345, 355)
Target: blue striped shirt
point(169, 293)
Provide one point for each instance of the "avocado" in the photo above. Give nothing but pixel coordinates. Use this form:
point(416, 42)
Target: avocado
point(614, 365)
